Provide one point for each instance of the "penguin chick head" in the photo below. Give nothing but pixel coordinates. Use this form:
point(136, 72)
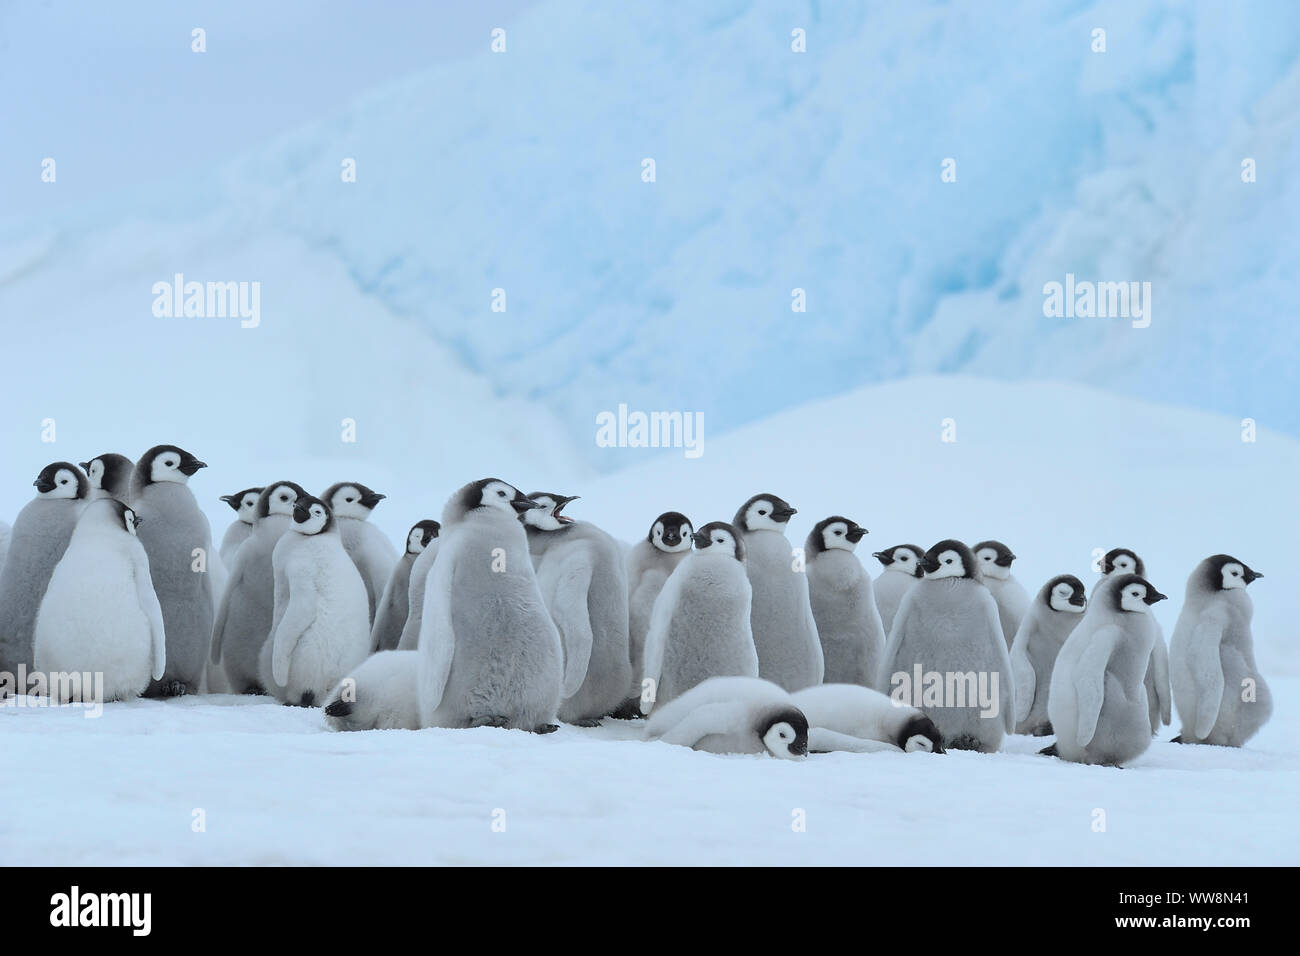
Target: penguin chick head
point(350, 499)
point(784, 732)
point(111, 514)
point(719, 539)
point(487, 495)
point(62, 479)
point(1135, 594)
point(278, 498)
point(311, 515)
point(994, 559)
point(244, 503)
point(421, 533)
point(833, 532)
point(1223, 572)
point(167, 463)
point(949, 559)
point(902, 557)
point(547, 517)
point(671, 532)
point(1122, 560)
point(764, 513)
point(108, 470)
point(919, 734)
point(1065, 593)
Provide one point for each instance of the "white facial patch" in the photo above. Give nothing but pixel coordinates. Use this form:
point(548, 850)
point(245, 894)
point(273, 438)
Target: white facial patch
point(167, 467)
point(248, 509)
point(778, 739)
point(1234, 576)
point(314, 523)
point(281, 500)
point(919, 743)
point(722, 544)
point(415, 541)
point(905, 561)
point(683, 544)
point(950, 566)
point(542, 518)
point(758, 517)
point(1123, 564)
point(347, 503)
point(65, 485)
point(128, 519)
point(96, 474)
point(1060, 599)
point(497, 494)
point(836, 535)
point(987, 558)
point(1133, 598)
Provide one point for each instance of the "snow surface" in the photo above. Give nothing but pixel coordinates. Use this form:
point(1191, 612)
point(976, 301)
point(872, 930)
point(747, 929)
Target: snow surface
point(1054, 470)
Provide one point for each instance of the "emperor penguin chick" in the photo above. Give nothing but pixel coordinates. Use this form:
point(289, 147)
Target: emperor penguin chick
point(248, 606)
point(174, 532)
point(700, 624)
point(381, 694)
point(848, 624)
point(1221, 695)
point(902, 569)
point(100, 614)
point(419, 580)
point(581, 575)
point(861, 720)
point(320, 630)
point(109, 475)
point(40, 535)
point(994, 560)
point(947, 648)
point(649, 563)
point(244, 504)
point(367, 546)
point(1097, 704)
point(395, 605)
point(785, 634)
point(733, 715)
point(1159, 698)
point(1055, 612)
point(489, 654)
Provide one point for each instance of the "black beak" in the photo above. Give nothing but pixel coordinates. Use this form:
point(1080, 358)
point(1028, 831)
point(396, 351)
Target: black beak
point(84, 465)
point(136, 521)
point(230, 500)
point(301, 513)
point(700, 539)
point(371, 499)
point(188, 468)
point(43, 485)
point(522, 503)
point(1079, 601)
point(1154, 597)
point(1252, 575)
point(879, 556)
point(783, 514)
point(855, 535)
point(929, 565)
point(1005, 560)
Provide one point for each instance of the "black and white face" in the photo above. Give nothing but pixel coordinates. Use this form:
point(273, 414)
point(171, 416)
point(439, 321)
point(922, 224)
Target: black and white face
point(1137, 596)
point(844, 535)
point(994, 561)
point(1235, 575)
point(173, 464)
point(248, 507)
point(767, 514)
point(901, 559)
point(353, 501)
point(310, 516)
point(1124, 563)
point(130, 520)
point(715, 542)
point(946, 564)
point(1064, 597)
point(547, 516)
point(95, 472)
point(671, 536)
point(415, 541)
point(56, 481)
point(783, 740)
point(496, 495)
point(281, 500)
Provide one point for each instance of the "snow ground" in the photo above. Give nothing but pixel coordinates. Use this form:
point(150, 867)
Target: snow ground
point(1055, 470)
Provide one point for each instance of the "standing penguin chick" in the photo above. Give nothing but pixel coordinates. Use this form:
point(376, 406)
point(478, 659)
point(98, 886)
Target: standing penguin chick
point(489, 654)
point(109, 475)
point(1125, 561)
point(733, 715)
point(248, 607)
point(848, 624)
point(381, 694)
point(367, 546)
point(320, 630)
point(244, 504)
point(100, 614)
point(173, 530)
point(861, 720)
point(1221, 696)
point(1054, 614)
point(947, 647)
point(395, 604)
point(581, 575)
point(700, 624)
point(419, 581)
point(994, 560)
point(649, 564)
point(785, 634)
point(1097, 704)
point(41, 533)
point(902, 569)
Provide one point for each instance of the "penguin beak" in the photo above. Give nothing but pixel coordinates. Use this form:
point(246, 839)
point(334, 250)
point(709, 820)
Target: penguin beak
point(880, 556)
point(1252, 575)
point(84, 465)
point(188, 468)
point(522, 503)
point(135, 522)
point(783, 514)
point(700, 539)
point(1154, 597)
point(929, 565)
point(855, 535)
point(300, 513)
point(1005, 560)
point(230, 500)
point(1079, 601)
point(370, 499)
point(559, 506)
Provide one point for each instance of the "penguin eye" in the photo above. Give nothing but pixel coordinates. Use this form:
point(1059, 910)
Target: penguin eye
point(761, 511)
point(501, 494)
point(947, 560)
point(63, 481)
point(1236, 574)
point(838, 533)
point(284, 497)
point(349, 500)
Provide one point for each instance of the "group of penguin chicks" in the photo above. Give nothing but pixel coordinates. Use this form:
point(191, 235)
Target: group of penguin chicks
point(509, 613)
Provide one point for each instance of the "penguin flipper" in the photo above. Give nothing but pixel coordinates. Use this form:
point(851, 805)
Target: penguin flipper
point(572, 617)
point(298, 616)
point(1022, 669)
point(822, 740)
point(1159, 668)
point(702, 722)
point(1007, 686)
point(437, 640)
point(1207, 671)
point(223, 610)
point(148, 599)
point(1089, 679)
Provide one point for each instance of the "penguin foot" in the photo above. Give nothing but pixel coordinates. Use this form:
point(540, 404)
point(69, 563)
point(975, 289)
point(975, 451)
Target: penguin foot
point(338, 708)
point(965, 742)
point(254, 690)
point(1043, 730)
point(308, 699)
point(585, 722)
point(171, 688)
point(1179, 740)
point(546, 728)
point(1049, 751)
point(629, 710)
point(492, 720)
